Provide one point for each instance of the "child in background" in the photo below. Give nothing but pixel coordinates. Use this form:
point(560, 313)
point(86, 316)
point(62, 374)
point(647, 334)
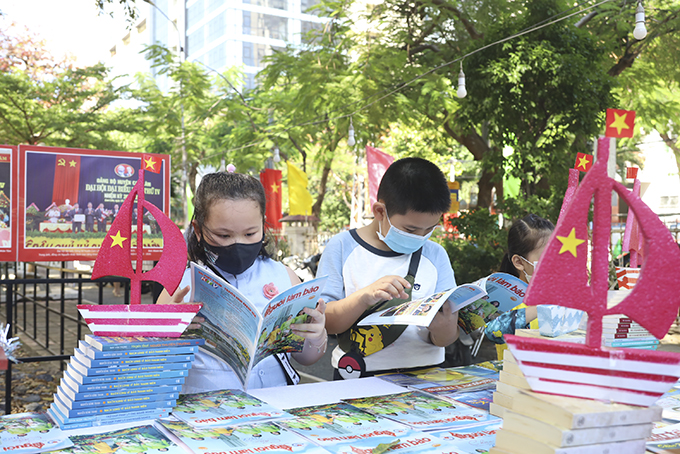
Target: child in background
point(366, 266)
point(227, 235)
point(526, 240)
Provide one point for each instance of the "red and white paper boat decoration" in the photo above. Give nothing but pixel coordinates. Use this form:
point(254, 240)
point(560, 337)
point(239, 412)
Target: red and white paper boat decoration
point(630, 376)
point(114, 259)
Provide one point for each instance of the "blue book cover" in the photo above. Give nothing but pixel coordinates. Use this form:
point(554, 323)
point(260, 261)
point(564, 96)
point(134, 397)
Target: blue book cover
point(103, 420)
point(84, 380)
point(130, 361)
point(472, 439)
point(139, 342)
point(219, 408)
point(68, 413)
point(127, 369)
point(74, 404)
point(31, 433)
point(243, 438)
point(413, 442)
point(421, 411)
point(113, 393)
point(160, 351)
point(144, 439)
point(146, 383)
point(477, 399)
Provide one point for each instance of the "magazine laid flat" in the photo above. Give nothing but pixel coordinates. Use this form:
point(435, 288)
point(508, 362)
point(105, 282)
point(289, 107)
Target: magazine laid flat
point(237, 332)
point(421, 311)
point(31, 432)
point(503, 293)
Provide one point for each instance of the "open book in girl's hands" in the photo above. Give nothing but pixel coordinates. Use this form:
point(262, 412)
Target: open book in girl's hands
point(421, 311)
point(504, 292)
point(236, 331)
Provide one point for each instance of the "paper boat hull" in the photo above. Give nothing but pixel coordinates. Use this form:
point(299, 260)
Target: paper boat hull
point(153, 320)
point(623, 375)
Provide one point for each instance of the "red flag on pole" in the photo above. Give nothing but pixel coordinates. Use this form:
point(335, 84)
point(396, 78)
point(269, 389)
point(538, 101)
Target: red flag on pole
point(378, 162)
point(271, 180)
point(66, 179)
point(151, 163)
point(620, 123)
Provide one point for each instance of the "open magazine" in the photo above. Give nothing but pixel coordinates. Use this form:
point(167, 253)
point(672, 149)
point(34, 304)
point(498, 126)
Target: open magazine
point(503, 293)
point(237, 332)
point(421, 311)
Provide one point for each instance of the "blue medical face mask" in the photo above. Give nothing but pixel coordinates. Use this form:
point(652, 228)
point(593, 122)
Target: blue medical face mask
point(400, 241)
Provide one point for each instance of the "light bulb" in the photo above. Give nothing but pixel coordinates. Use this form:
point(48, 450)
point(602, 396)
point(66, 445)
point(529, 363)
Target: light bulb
point(640, 30)
point(351, 141)
point(461, 92)
point(277, 156)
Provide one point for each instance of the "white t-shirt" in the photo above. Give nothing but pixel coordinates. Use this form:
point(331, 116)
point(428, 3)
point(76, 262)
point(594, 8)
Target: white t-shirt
point(208, 372)
point(352, 264)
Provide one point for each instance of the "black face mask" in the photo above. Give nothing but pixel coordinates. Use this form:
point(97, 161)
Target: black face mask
point(235, 258)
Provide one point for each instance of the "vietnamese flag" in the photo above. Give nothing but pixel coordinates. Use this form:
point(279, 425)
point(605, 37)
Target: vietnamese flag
point(620, 123)
point(377, 162)
point(151, 163)
point(271, 180)
point(631, 172)
point(583, 162)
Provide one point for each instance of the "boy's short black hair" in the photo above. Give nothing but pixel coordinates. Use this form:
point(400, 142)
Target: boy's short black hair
point(414, 184)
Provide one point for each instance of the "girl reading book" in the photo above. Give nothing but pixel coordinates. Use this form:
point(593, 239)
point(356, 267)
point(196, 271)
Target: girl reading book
point(526, 240)
point(227, 235)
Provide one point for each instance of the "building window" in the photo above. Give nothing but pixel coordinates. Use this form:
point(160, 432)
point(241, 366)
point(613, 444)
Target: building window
point(305, 5)
point(250, 81)
point(214, 4)
point(265, 25)
point(113, 51)
point(126, 39)
point(254, 54)
point(306, 27)
point(194, 13)
point(216, 27)
point(276, 4)
point(195, 41)
point(217, 57)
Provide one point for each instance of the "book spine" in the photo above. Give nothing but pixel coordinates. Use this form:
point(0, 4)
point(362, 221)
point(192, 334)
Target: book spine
point(68, 413)
point(124, 343)
point(85, 380)
point(128, 362)
point(640, 336)
point(624, 330)
point(110, 394)
point(630, 342)
point(149, 398)
point(96, 354)
point(79, 387)
point(94, 421)
point(618, 319)
point(92, 372)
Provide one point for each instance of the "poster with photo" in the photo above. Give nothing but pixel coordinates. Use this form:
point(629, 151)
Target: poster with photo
point(8, 209)
point(69, 197)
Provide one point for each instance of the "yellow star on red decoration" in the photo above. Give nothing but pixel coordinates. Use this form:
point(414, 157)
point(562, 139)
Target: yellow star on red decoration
point(583, 162)
point(72, 163)
point(275, 188)
point(117, 240)
point(619, 122)
point(570, 242)
point(150, 164)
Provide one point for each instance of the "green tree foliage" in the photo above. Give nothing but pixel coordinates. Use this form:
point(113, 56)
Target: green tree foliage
point(49, 102)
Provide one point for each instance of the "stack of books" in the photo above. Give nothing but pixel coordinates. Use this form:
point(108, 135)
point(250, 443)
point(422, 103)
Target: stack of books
point(511, 382)
point(547, 424)
point(112, 380)
point(622, 331)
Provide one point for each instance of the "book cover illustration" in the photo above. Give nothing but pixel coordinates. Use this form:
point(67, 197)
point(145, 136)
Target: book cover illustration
point(670, 402)
point(30, 433)
point(473, 439)
point(219, 408)
point(420, 312)
point(238, 439)
point(237, 332)
point(665, 439)
point(503, 293)
point(437, 376)
point(343, 429)
point(137, 440)
point(477, 399)
point(421, 411)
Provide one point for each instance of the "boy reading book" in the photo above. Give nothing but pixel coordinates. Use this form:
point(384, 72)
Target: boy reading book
point(367, 266)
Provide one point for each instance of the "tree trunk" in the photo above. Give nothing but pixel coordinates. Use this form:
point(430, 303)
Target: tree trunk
point(673, 146)
point(316, 208)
